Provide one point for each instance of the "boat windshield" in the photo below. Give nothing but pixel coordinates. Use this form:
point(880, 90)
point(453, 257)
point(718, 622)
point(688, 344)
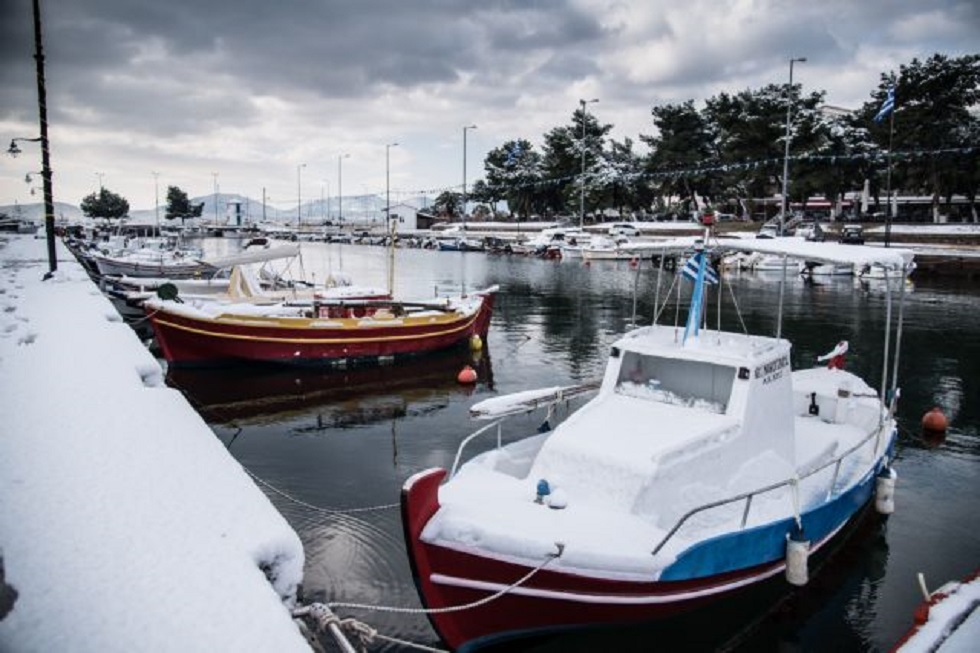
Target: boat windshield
point(693, 384)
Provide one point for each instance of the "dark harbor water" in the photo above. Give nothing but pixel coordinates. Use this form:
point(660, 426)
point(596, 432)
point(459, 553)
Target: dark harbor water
point(349, 439)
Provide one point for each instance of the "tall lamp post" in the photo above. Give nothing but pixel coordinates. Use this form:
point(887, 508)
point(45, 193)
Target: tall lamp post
point(388, 184)
point(299, 194)
point(214, 175)
point(340, 187)
point(14, 150)
point(464, 171)
point(785, 203)
point(789, 112)
point(581, 200)
point(156, 198)
point(101, 176)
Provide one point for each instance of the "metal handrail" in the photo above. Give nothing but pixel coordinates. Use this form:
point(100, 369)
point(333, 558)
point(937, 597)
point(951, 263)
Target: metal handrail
point(747, 496)
point(466, 441)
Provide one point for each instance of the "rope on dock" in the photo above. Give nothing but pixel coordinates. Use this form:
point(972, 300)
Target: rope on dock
point(310, 506)
point(326, 621)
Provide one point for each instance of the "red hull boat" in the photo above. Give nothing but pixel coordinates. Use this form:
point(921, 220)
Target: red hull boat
point(315, 333)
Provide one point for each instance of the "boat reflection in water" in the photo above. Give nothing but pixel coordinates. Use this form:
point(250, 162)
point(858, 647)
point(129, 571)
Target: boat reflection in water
point(341, 397)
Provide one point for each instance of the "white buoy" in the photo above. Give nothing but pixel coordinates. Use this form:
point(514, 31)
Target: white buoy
point(885, 491)
point(797, 554)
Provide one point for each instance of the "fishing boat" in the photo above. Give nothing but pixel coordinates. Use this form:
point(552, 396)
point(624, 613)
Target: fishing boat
point(947, 619)
point(314, 331)
point(149, 257)
point(616, 248)
point(702, 467)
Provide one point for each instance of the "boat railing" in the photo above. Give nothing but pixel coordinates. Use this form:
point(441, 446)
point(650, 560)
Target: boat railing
point(747, 497)
point(471, 437)
point(521, 406)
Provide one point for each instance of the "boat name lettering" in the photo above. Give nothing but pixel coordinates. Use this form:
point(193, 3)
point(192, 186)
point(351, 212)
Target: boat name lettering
point(772, 366)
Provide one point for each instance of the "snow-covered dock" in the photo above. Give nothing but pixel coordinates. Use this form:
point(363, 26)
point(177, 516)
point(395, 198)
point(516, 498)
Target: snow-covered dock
point(124, 523)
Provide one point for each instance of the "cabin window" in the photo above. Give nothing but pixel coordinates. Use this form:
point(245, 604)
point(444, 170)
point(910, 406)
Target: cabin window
point(694, 384)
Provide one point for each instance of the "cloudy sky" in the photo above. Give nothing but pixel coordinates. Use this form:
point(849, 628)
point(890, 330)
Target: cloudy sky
point(252, 89)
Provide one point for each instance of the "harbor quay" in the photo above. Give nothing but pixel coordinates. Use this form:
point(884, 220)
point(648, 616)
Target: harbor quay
point(124, 523)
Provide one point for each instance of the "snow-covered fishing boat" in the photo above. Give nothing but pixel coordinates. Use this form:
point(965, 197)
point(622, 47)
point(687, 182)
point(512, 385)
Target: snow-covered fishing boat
point(947, 620)
point(703, 466)
point(149, 257)
point(314, 331)
point(602, 248)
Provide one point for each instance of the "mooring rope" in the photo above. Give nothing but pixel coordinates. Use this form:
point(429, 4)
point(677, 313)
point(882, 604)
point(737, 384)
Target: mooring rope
point(327, 622)
point(455, 608)
point(323, 613)
point(300, 502)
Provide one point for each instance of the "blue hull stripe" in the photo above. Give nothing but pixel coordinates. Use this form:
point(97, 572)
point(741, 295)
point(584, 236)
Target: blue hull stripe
point(767, 543)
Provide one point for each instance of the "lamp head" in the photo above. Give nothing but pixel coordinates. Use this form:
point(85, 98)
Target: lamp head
point(13, 150)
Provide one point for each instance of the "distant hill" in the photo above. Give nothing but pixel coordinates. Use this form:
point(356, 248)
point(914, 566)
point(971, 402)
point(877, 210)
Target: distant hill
point(356, 208)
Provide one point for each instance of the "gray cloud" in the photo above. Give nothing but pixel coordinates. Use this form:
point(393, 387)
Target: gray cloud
point(304, 79)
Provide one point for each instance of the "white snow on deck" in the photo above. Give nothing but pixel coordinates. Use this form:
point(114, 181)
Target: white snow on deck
point(124, 523)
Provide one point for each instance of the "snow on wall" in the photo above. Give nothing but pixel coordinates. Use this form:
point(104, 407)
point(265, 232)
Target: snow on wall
point(124, 523)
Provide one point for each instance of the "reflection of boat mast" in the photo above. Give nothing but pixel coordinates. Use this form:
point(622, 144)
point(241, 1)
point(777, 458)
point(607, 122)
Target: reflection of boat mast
point(394, 444)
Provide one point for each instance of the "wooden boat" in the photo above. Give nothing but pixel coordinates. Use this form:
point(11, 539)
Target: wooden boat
point(314, 331)
point(947, 620)
point(703, 467)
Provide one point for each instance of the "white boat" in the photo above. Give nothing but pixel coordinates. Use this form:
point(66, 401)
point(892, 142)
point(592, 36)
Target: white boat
point(149, 257)
point(619, 248)
point(702, 467)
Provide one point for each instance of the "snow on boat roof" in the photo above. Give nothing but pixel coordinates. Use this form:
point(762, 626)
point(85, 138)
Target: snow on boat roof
point(891, 258)
point(858, 255)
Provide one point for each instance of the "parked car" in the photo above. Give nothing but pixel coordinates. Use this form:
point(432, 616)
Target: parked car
point(623, 229)
point(852, 234)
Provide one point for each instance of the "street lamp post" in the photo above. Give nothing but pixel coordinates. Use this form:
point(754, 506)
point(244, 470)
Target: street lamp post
point(789, 111)
point(581, 200)
point(42, 114)
point(214, 175)
point(340, 187)
point(464, 172)
point(785, 203)
point(156, 198)
point(299, 195)
point(388, 185)
point(101, 176)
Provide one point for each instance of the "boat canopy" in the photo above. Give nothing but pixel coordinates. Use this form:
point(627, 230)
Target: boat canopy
point(889, 258)
point(256, 256)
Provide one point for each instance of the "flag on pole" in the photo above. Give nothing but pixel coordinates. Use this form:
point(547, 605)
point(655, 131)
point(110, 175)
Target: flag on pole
point(690, 270)
point(887, 106)
point(698, 270)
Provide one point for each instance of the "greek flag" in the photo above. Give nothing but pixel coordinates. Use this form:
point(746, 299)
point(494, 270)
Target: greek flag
point(698, 270)
point(514, 152)
point(690, 270)
point(887, 106)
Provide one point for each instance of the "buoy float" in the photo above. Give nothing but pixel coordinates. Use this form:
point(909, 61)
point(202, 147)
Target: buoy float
point(466, 375)
point(934, 422)
point(885, 491)
point(476, 342)
point(797, 552)
point(542, 490)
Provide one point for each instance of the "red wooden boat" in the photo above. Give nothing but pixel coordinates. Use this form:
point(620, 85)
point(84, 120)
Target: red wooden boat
point(315, 332)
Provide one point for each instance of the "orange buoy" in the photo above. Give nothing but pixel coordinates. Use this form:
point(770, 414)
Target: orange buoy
point(466, 375)
point(934, 422)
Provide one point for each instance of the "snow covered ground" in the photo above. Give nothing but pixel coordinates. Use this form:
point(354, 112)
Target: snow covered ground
point(124, 523)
